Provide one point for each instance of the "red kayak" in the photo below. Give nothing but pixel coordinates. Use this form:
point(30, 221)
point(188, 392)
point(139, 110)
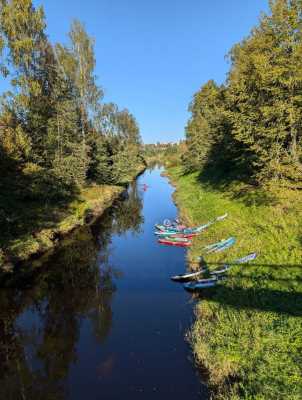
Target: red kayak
point(169, 242)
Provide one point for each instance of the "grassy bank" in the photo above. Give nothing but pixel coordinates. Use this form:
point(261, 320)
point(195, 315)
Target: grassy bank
point(42, 225)
point(247, 332)
point(37, 225)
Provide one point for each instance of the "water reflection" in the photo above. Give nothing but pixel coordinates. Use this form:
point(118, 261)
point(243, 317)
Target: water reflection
point(40, 321)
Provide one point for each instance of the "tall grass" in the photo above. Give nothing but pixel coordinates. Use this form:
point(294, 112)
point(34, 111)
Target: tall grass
point(248, 330)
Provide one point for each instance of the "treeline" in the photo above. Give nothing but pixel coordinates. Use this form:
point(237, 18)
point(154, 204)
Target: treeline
point(55, 133)
point(168, 154)
point(250, 128)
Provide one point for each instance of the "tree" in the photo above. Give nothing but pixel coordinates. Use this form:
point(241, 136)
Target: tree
point(82, 50)
point(252, 125)
point(29, 57)
point(265, 85)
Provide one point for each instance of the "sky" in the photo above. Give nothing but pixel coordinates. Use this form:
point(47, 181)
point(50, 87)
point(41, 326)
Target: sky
point(153, 55)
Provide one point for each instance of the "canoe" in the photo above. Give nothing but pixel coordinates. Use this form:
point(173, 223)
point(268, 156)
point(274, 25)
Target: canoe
point(187, 277)
point(175, 242)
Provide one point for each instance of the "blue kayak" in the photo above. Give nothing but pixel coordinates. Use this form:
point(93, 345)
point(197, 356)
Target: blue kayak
point(239, 261)
point(202, 284)
point(220, 246)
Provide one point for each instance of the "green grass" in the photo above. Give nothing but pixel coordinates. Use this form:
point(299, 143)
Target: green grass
point(37, 225)
point(248, 331)
point(35, 213)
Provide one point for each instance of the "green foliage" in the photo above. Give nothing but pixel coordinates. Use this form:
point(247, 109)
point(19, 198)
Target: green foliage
point(247, 331)
point(168, 154)
point(252, 126)
point(82, 51)
point(55, 136)
point(100, 167)
point(120, 144)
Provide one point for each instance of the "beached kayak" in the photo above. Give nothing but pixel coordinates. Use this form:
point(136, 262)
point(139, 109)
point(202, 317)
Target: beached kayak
point(188, 276)
point(182, 229)
point(176, 234)
point(239, 261)
point(182, 242)
point(201, 284)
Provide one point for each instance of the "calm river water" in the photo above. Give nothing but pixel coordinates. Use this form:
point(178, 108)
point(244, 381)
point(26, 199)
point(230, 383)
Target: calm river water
point(102, 320)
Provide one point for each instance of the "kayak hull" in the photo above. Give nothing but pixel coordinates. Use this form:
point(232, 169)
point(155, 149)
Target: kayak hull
point(175, 243)
point(203, 284)
point(199, 285)
point(227, 267)
point(187, 277)
point(176, 235)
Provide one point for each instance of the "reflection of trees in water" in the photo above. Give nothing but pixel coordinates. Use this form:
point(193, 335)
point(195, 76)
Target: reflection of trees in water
point(125, 215)
point(36, 353)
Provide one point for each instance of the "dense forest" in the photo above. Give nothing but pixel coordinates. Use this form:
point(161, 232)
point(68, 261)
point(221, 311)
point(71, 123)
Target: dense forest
point(250, 127)
point(56, 134)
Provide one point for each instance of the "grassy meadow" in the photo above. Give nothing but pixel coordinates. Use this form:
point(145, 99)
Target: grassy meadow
point(247, 333)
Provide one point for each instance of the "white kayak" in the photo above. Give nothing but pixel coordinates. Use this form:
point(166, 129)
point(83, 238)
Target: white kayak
point(187, 277)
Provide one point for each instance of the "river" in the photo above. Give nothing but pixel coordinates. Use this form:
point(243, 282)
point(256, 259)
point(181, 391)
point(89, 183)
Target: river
point(102, 320)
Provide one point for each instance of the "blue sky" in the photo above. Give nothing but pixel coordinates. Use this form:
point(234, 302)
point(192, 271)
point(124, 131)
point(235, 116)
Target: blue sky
point(152, 55)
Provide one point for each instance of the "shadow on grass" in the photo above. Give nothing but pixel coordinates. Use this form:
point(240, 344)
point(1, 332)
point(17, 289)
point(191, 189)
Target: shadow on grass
point(262, 299)
point(248, 266)
point(259, 297)
point(30, 200)
point(233, 174)
point(238, 186)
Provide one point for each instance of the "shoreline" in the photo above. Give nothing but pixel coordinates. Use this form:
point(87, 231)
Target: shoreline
point(92, 203)
point(255, 313)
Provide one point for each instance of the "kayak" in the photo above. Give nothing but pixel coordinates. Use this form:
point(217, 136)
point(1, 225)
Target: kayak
point(176, 234)
point(176, 228)
point(220, 246)
point(246, 259)
point(225, 246)
point(201, 284)
point(221, 242)
point(239, 261)
point(187, 277)
point(182, 242)
point(181, 229)
point(223, 270)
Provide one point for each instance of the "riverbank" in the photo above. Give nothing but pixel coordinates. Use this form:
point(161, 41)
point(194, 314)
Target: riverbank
point(44, 226)
point(89, 204)
point(247, 333)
